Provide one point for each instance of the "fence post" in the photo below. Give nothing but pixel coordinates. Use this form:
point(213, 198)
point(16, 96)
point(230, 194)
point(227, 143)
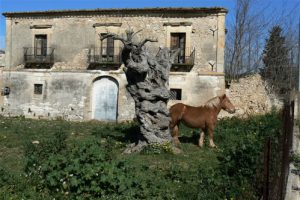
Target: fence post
point(267, 155)
point(288, 120)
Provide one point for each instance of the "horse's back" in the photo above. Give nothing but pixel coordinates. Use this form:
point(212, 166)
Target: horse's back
point(191, 116)
point(177, 107)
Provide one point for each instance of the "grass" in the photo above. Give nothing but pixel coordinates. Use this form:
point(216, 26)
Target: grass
point(15, 133)
point(230, 135)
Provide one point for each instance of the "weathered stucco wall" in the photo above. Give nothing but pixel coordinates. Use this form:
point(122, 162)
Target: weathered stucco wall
point(197, 88)
point(65, 95)
point(71, 36)
point(2, 59)
point(68, 95)
point(67, 85)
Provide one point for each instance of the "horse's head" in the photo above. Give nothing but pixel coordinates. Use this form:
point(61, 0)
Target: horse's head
point(226, 104)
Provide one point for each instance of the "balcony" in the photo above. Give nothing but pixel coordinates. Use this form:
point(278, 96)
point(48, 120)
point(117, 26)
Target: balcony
point(38, 58)
point(104, 58)
point(184, 63)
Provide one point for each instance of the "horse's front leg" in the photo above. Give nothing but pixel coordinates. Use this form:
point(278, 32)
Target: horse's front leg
point(211, 138)
point(175, 134)
point(201, 139)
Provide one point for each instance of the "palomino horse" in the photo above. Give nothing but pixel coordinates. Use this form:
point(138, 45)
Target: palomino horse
point(203, 117)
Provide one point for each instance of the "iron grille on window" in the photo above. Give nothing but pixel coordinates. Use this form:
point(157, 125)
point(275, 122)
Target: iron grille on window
point(175, 94)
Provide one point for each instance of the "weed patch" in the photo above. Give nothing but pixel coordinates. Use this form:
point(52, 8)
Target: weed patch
point(84, 161)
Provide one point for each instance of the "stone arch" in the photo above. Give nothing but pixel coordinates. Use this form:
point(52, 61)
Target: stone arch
point(104, 97)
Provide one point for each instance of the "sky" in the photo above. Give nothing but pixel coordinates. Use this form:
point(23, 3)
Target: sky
point(41, 5)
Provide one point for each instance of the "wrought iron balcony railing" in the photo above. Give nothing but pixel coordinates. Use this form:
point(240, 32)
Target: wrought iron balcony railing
point(38, 57)
point(184, 63)
point(104, 58)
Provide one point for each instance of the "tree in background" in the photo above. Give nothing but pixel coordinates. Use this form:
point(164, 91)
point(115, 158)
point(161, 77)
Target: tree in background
point(247, 30)
point(278, 70)
point(244, 40)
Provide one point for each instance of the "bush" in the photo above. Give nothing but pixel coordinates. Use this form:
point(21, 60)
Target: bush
point(86, 171)
point(241, 161)
point(94, 168)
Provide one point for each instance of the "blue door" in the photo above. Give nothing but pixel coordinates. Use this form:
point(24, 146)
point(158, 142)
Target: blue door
point(105, 99)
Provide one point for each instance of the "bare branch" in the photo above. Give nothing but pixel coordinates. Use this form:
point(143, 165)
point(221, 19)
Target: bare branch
point(137, 32)
point(114, 36)
point(147, 40)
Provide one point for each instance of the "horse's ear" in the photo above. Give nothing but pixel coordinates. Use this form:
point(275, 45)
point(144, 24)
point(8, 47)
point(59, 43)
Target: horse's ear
point(223, 96)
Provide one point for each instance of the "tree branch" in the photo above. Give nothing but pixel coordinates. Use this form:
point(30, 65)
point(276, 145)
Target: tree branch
point(114, 36)
point(147, 40)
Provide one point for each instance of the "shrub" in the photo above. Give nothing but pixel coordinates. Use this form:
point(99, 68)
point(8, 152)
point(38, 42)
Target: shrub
point(94, 168)
point(241, 160)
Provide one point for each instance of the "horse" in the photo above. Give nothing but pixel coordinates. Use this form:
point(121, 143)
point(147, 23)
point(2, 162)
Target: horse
point(203, 117)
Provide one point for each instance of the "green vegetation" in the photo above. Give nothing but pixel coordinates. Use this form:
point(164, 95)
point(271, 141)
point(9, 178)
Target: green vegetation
point(74, 160)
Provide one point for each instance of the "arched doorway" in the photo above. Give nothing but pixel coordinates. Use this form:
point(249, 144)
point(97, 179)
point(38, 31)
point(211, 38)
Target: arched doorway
point(105, 99)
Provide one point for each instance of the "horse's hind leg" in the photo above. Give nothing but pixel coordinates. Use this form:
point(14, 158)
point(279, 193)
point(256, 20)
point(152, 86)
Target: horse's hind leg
point(201, 139)
point(175, 134)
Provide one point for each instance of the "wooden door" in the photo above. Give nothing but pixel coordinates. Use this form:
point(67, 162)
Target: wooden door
point(105, 99)
point(107, 49)
point(40, 44)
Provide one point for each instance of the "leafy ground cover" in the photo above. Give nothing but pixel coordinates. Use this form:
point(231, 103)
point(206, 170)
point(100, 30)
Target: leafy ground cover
point(83, 160)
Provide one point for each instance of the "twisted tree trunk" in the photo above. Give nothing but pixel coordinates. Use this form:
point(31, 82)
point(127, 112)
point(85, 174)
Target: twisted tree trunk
point(147, 78)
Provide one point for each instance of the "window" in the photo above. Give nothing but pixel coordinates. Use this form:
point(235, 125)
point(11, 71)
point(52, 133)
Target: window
point(40, 45)
point(178, 41)
point(107, 48)
point(38, 88)
point(175, 94)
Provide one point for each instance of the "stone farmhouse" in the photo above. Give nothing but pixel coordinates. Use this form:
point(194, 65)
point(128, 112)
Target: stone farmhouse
point(56, 66)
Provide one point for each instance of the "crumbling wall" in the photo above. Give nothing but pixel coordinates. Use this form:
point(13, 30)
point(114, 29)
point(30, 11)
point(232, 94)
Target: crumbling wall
point(250, 97)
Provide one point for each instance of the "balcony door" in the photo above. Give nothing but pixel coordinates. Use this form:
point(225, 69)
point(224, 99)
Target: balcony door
point(107, 49)
point(40, 45)
point(178, 41)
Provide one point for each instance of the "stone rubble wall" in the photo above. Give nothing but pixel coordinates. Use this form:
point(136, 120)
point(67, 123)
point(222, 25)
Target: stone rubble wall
point(250, 97)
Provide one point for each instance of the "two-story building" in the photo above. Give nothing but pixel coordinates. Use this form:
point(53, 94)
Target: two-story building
point(57, 66)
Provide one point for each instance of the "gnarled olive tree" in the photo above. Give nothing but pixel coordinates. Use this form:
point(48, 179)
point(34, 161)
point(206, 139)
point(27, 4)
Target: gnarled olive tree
point(147, 78)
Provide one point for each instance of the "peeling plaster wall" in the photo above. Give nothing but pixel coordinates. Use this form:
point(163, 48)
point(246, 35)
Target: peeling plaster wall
point(68, 95)
point(65, 95)
point(197, 88)
point(72, 36)
point(2, 59)
point(67, 85)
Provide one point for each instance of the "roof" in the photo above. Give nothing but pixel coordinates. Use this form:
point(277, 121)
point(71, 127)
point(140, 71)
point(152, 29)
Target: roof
point(99, 11)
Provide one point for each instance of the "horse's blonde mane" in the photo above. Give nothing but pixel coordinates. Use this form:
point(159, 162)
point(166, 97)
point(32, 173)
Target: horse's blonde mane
point(213, 102)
